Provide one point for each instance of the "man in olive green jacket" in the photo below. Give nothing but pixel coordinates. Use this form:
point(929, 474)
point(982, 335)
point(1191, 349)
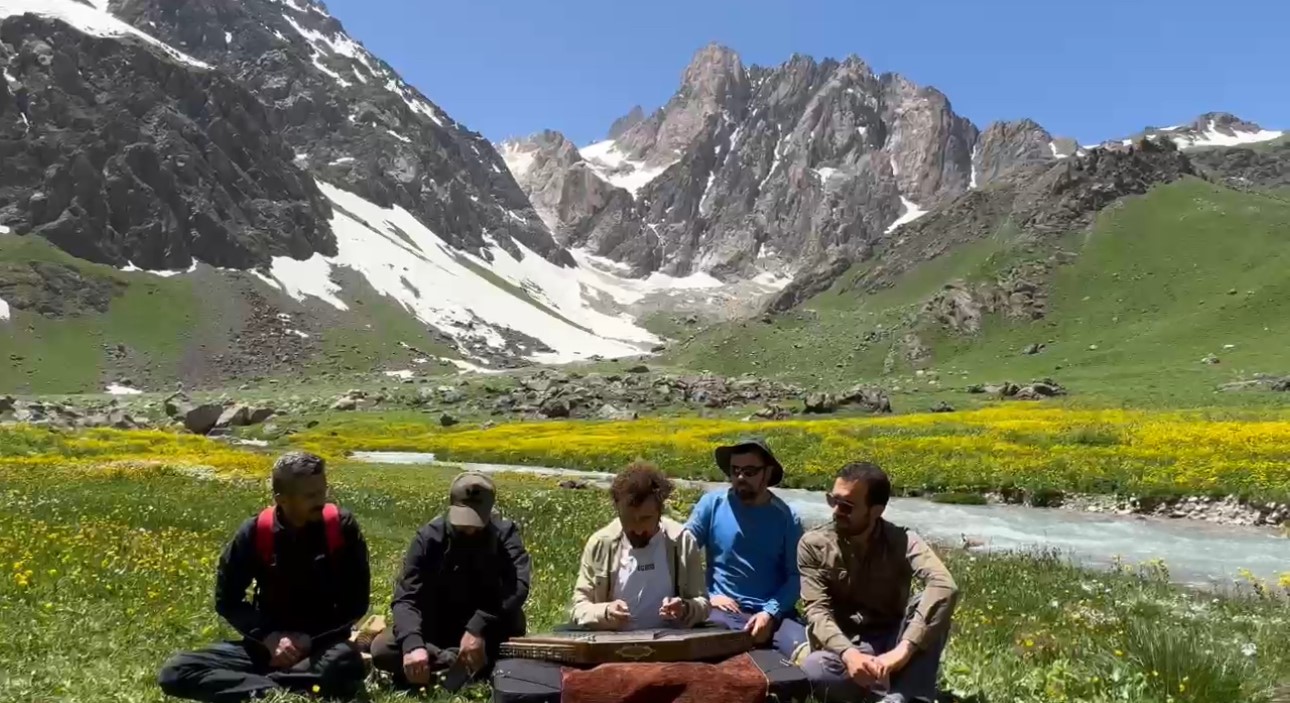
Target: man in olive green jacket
point(869, 633)
point(642, 570)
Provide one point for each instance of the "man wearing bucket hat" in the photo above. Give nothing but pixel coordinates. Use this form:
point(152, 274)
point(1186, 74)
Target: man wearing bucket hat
point(750, 536)
point(461, 595)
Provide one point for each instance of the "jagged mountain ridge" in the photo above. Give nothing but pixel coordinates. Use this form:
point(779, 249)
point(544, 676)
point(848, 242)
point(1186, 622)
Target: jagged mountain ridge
point(751, 169)
point(181, 138)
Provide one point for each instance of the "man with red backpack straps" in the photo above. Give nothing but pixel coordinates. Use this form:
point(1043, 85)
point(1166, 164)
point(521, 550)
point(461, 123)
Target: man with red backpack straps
point(308, 560)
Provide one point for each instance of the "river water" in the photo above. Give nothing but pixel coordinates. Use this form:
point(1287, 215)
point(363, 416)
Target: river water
point(1197, 553)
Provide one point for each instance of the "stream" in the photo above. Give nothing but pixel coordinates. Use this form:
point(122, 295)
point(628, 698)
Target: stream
point(1196, 553)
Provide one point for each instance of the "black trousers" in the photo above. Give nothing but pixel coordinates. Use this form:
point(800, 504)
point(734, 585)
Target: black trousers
point(237, 671)
point(387, 656)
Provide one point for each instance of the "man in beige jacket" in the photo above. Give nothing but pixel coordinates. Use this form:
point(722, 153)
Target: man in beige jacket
point(643, 570)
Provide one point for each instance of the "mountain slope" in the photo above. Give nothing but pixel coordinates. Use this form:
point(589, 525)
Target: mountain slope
point(237, 161)
point(1125, 310)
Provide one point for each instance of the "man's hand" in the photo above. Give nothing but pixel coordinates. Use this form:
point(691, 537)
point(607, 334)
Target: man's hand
point(472, 652)
point(864, 669)
point(618, 614)
point(672, 609)
point(762, 626)
point(286, 649)
point(895, 660)
point(725, 603)
point(416, 666)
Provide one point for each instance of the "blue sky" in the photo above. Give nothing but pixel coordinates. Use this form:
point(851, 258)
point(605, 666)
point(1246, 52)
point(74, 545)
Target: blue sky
point(1092, 70)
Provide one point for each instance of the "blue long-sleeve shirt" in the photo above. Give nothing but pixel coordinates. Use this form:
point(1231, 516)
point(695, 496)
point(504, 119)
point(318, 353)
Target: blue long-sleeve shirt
point(751, 551)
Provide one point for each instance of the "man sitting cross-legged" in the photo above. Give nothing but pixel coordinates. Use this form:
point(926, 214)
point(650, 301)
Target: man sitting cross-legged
point(643, 570)
point(308, 560)
point(751, 537)
point(465, 580)
point(870, 634)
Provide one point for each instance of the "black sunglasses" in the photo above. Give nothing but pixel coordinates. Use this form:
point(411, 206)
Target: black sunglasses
point(842, 506)
point(747, 471)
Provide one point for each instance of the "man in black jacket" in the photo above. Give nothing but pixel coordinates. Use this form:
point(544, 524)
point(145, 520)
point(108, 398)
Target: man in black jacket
point(462, 592)
point(309, 563)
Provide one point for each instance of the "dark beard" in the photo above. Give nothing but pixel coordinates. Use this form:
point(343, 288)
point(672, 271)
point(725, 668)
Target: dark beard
point(638, 541)
point(746, 493)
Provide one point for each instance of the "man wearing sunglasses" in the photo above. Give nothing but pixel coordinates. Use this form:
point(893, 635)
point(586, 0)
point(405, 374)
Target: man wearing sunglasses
point(867, 632)
point(750, 536)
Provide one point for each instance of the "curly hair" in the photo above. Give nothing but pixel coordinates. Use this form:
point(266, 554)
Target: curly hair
point(638, 482)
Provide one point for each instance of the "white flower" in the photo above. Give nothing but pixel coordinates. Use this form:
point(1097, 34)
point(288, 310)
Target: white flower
point(1249, 649)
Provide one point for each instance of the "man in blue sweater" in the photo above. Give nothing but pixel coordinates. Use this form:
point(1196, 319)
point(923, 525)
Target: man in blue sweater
point(750, 536)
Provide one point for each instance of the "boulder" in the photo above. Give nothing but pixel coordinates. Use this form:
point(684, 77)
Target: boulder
point(1033, 349)
point(234, 416)
point(1210, 359)
point(872, 400)
point(1282, 385)
point(609, 412)
point(772, 412)
point(639, 368)
point(202, 418)
point(820, 403)
point(942, 407)
point(555, 408)
point(447, 420)
point(345, 403)
point(6, 404)
point(449, 395)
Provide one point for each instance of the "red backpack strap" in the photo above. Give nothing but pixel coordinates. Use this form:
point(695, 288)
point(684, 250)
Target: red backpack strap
point(264, 535)
point(331, 524)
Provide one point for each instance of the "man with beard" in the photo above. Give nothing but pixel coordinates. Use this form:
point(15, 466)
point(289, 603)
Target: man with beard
point(643, 570)
point(461, 595)
point(308, 560)
point(868, 633)
point(751, 537)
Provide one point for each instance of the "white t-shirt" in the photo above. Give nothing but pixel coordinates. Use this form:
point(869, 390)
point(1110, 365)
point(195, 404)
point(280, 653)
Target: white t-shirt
point(644, 579)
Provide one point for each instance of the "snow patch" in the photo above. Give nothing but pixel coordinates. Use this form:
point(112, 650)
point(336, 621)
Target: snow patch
point(228, 37)
point(298, 333)
point(95, 21)
point(909, 213)
point(601, 274)
point(4, 229)
point(1213, 137)
point(118, 389)
point(975, 150)
point(4, 310)
point(343, 160)
point(399, 137)
point(1052, 146)
point(518, 160)
point(131, 268)
point(825, 172)
point(466, 366)
point(387, 246)
point(403, 374)
point(310, 277)
point(614, 167)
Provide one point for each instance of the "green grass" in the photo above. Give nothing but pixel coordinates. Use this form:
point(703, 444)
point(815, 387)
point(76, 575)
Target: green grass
point(1151, 289)
point(154, 316)
point(108, 573)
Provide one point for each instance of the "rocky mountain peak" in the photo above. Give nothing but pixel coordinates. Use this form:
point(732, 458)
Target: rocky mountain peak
point(626, 122)
point(714, 83)
point(351, 119)
point(1005, 145)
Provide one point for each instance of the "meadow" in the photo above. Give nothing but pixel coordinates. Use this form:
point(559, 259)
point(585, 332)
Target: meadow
point(1020, 447)
point(108, 542)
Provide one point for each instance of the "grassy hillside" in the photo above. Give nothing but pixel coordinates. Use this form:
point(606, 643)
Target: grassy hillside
point(1159, 282)
point(155, 330)
point(153, 315)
